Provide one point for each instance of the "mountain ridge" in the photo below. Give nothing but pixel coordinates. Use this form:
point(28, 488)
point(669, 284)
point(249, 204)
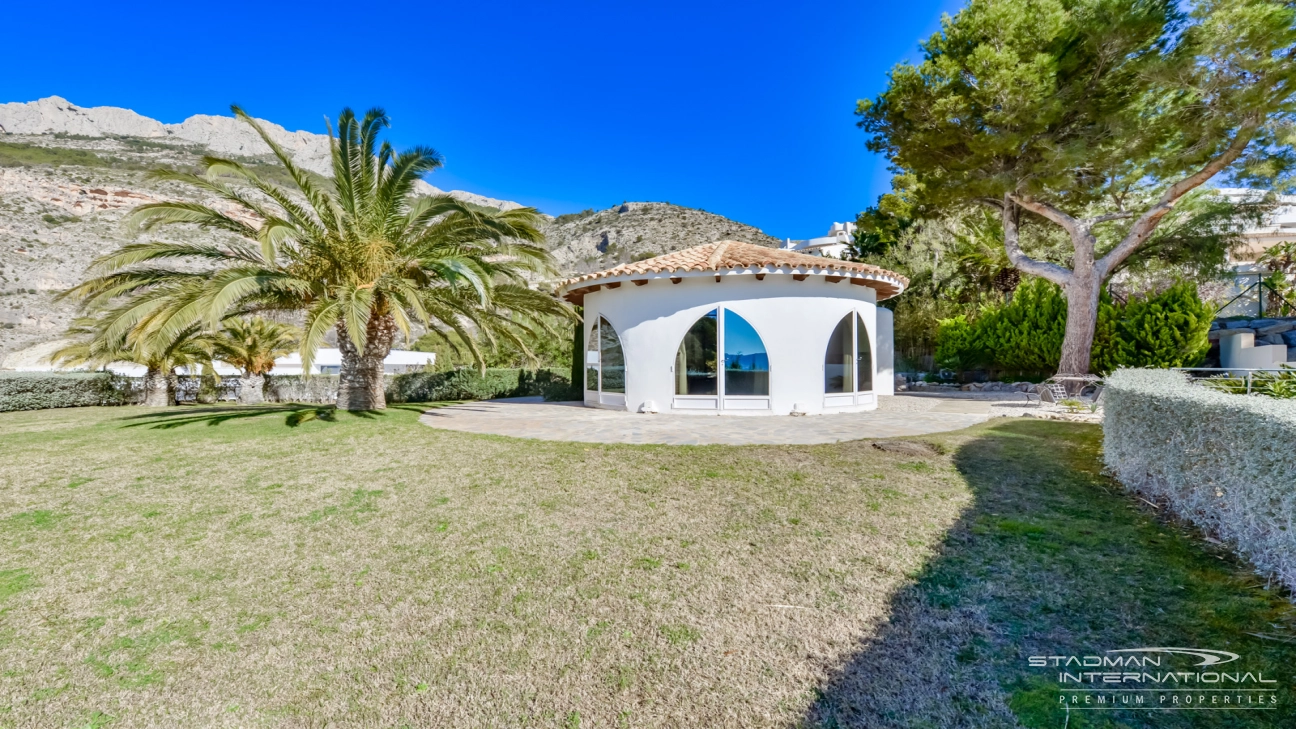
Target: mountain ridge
point(226, 135)
point(68, 177)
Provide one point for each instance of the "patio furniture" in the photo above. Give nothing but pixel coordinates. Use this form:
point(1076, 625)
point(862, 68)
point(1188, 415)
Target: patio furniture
point(1050, 392)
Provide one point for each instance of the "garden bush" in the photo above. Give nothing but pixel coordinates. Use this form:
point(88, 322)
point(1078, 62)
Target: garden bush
point(1168, 329)
point(40, 390)
point(1224, 462)
point(470, 384)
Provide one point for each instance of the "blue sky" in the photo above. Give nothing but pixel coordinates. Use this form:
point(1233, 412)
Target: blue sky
point(742, 109)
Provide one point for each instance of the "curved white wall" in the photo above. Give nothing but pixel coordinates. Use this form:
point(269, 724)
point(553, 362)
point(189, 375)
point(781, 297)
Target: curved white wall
point(793, 318)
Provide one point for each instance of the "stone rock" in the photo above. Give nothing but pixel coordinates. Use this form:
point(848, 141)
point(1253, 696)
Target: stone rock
point(1262, 323)
point(1235, 323)
point(1270, 339)
point(1290, 338)
point(1279, 328)
point(1220, 333)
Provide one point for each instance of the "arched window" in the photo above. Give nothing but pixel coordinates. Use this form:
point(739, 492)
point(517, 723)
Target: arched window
point(839, 361)
point(746, 361)
point(848, 363)
point(604, 359)
point(695, 361)
point(592, 358)
point(863, 357)
point(611, 358)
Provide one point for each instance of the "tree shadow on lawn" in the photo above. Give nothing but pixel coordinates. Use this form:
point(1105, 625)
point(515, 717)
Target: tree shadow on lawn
point(295, 414)
point(1055, 559)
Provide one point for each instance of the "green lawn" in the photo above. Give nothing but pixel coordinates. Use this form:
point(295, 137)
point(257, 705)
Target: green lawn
point(288, 567)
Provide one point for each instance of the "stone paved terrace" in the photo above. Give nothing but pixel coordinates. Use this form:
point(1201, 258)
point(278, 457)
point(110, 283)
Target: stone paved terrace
point(902, 415)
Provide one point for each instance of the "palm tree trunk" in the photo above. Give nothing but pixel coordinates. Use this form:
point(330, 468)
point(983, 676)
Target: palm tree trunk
point(251, 389)
point(159, 391)
point(360, 383)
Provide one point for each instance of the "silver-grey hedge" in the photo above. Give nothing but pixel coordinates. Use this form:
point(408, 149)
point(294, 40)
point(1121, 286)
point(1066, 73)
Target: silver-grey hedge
point(40, 390)
point(1226, 463)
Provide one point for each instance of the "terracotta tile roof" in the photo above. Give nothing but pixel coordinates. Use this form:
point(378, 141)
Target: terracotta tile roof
point(731, 254)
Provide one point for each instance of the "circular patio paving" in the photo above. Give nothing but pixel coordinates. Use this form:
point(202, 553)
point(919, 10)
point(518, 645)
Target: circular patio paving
point(530, 418)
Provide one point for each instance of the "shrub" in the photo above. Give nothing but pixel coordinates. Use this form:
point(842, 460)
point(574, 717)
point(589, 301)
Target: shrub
point(1169, 329)
point(957, 346)
point(1025, 335)
point(1281, 385)
point(40, 390)
point(1223, 462)
point(468, 384)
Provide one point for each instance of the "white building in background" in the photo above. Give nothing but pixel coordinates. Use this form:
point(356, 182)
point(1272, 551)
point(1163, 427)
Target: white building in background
point(732, 328)
point(328, 361)
point(1278, 227)
point(832, 245)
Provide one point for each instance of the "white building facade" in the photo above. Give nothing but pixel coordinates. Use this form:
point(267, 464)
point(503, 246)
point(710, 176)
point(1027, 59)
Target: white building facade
point(833, 245)
point(737, 329)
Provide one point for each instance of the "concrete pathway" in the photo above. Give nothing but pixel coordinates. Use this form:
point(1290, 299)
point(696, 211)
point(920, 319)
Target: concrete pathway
point(531, 418)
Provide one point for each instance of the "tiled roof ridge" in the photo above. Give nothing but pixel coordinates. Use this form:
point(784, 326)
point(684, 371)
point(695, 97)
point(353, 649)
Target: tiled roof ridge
point(713, 261)
point(711, 257)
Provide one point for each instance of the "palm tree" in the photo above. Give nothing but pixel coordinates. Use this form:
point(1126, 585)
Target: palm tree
point(252, 345)
point(359, 254)
point(92, 346)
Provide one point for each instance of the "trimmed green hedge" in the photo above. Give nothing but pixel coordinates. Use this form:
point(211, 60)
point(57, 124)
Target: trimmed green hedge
point(469, 384)
point(40, 390)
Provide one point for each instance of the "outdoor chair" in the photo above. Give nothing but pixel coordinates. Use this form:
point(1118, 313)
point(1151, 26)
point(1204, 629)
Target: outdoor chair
point(1051, 392)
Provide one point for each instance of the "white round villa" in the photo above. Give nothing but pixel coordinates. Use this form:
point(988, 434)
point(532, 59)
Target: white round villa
point(739, 329)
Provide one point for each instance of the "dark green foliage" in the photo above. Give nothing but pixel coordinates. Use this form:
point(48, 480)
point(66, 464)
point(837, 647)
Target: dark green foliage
point(470, 384)
point(1165, 330)
point(40, 390)
point(1168, 329)
point(572, 217)
point(28, 155)
point(577, 374)
point(1024, 335)
point(957, 347)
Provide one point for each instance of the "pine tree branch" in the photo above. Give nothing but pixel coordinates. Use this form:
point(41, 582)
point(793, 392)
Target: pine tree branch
point(1048, 212)
point(1023, 262)
point(1143, 227)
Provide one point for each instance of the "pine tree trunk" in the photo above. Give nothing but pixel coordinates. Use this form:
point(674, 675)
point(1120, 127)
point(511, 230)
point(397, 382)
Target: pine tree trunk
point(1082, 321)
point(251, 389)
point(159, 390)
point(360, 383)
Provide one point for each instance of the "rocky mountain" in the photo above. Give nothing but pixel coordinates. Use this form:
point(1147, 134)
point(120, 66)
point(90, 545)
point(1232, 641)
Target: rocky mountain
point(221, 135)
point(69, 175)
point(633, 231)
